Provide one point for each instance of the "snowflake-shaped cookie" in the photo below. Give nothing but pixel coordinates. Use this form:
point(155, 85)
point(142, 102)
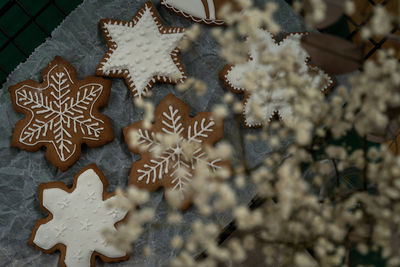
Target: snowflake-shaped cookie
point(77, 218)
point(61, 113)
point(142, 51)
point(172, 169)
point(271, 102)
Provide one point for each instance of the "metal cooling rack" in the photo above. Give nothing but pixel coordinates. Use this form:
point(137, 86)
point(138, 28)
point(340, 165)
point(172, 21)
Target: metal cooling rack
point(33, 13)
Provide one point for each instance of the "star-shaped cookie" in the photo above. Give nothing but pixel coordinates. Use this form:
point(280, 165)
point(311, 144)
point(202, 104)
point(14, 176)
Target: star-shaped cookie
point(61, 113)
point(172, 168)
point(271, 102)
point(142, 51)
point(77, 218)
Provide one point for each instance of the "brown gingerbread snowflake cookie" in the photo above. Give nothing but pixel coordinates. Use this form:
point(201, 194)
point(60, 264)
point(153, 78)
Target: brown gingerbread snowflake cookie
point(61, 113)
point(77, 218)
point(202, 11)
point(142, 51)
point(172, 147)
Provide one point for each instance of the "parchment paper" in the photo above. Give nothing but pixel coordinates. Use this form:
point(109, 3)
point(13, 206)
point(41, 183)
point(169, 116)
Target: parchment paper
point(79, 40)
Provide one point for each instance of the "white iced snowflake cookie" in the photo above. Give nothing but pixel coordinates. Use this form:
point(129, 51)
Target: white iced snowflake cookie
point(174, 166)
point(77, 218)
point(142, 51)
point(61, 113)
point(271, 102)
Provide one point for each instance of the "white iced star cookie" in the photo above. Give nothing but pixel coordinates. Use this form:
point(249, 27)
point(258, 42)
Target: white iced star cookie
point(142, 51)
point(77, 218)
point(272, 103)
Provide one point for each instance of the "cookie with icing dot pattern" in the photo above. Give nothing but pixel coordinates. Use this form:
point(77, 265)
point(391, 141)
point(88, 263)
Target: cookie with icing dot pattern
point(142, 51)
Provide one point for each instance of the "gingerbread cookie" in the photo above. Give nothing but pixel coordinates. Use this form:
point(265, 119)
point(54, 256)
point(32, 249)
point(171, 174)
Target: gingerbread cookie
point(172, 168)
point(61, 113)
point(271, 102)
point(202, 11)
point(77, 218)
point(142, 51)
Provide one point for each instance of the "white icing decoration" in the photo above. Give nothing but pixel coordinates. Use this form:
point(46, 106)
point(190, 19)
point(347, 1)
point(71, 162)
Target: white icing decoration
point(79, 224)
point(143, 51)
point(61, 116)
point(211, 9)
point(172, 157)
point(274, 101)
point(193, 7)
point(194, 10)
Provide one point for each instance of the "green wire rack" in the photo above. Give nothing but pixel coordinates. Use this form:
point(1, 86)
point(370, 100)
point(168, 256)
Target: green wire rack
point(24, 25)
